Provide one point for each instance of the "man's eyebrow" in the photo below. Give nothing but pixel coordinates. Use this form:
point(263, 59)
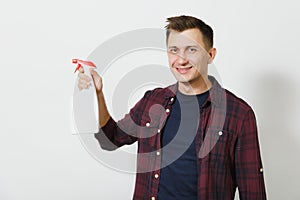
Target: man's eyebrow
point(192, 46)
point(189, 46)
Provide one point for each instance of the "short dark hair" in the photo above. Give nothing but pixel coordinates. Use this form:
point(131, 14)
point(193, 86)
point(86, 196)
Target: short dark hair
point(183, 22)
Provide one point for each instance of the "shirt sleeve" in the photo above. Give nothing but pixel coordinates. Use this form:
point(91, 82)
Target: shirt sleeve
point(248, 164)
point(116, 134)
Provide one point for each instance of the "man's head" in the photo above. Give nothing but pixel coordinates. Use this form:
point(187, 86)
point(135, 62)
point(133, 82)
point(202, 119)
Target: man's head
point(182, 23)
point(190, 49)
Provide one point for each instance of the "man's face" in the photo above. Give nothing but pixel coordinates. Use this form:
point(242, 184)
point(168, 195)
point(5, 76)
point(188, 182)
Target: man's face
point(188, 58)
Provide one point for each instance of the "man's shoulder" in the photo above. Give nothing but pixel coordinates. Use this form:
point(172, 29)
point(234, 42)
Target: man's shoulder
point(232, 101)
point(236, 103)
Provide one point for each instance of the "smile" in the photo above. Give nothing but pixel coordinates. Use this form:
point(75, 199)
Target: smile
point(183, 70)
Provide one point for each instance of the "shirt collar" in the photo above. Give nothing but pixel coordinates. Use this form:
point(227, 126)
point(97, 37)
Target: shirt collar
point(217, 94)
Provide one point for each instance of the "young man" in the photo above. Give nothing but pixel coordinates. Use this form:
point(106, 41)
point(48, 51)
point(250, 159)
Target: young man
point(196, 140)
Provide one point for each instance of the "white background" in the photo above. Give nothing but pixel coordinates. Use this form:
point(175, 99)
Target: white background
point(258, 59)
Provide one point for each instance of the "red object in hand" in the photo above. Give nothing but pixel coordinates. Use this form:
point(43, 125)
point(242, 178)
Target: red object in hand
point(82, 62)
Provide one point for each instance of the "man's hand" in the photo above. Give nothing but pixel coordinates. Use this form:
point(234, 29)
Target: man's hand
point(84, 81)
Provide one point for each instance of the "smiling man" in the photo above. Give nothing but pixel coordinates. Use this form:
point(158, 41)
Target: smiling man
point(201, 141)
point(189, 57)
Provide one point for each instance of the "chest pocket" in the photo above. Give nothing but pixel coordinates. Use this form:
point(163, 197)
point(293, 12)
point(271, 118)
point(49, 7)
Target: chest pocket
point(218, 146)
point(150, 126)
point(154, 117)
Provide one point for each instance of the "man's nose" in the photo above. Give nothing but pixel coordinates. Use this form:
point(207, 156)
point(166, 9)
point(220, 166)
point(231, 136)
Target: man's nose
point(181, 58)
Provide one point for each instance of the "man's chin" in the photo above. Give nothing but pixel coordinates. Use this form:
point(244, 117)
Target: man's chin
point(183, 81)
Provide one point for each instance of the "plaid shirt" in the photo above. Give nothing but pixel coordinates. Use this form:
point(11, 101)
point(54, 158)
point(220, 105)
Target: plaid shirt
point(227, 144)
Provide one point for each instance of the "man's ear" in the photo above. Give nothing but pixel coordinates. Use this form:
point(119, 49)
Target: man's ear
point(212, 54)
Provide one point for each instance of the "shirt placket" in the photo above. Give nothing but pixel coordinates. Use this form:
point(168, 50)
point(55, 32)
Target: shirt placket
point(156, 173)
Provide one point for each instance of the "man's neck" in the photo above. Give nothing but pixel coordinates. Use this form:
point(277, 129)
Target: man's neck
point(194, 87)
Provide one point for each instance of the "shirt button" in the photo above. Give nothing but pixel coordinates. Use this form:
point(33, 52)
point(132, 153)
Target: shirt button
point(167, 110)
point(156, 175)
point(157, 153)
point(147, 124)
point(158, 130)
point(220, 133)
point(152, 198)
point(261, 170)
point(172, 99)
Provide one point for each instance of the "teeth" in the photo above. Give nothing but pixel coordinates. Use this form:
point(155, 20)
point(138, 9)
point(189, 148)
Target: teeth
point(183, 70)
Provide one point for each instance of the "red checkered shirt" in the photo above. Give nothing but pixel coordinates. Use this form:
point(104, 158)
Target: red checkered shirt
point(227, 145)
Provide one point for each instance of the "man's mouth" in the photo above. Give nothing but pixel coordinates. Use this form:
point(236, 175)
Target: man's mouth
point(183, 70)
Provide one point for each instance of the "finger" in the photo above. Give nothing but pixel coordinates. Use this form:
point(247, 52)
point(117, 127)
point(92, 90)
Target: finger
point(81, 70)
point(82, 86)
point(83, 81)
point(84, 77)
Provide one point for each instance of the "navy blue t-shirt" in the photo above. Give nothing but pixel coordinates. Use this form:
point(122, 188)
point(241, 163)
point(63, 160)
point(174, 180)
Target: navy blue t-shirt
point(178, 178)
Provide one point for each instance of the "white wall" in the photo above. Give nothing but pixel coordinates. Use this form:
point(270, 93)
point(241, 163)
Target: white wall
point(257, 59)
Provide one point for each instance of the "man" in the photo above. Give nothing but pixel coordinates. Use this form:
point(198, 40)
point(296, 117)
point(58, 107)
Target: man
point(196, 140)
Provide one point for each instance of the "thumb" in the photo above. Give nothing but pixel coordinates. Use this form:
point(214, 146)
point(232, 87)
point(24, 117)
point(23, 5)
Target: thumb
point(94, 73)
point(96, 79)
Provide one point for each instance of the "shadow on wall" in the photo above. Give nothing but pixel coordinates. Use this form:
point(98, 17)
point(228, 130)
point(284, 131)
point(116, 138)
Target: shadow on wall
point(277, 107)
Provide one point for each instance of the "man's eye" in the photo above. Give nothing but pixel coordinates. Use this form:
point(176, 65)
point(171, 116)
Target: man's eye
point(173, 50)
point(192, 50)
